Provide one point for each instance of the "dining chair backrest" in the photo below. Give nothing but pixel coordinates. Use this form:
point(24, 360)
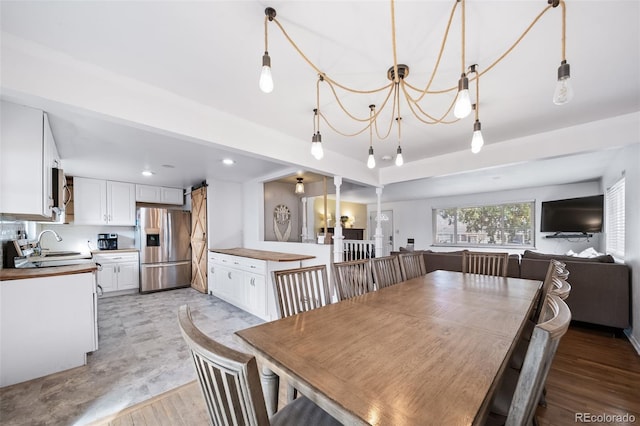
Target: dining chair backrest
point(301, 289)
point(485, 263)
point(412, 265)
point(547, 285)
point(228, 379)
point(353, 278)
point(561, 288)
point(386, 271)
point(540, 353)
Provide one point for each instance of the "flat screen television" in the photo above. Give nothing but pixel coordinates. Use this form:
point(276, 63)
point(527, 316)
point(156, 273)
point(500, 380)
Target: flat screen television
point(583, 214)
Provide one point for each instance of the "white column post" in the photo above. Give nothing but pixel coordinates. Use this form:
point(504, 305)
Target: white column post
point(305, 231)
point(378, 235)
point(338, 248)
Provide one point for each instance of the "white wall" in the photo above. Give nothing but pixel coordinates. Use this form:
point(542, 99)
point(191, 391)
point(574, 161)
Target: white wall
point(276, 194)
point(224, 214)
point(628, 162)
point(412, 219)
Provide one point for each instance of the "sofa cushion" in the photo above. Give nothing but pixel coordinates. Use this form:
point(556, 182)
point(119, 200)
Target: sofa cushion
point(459, 252)
point(528, 254)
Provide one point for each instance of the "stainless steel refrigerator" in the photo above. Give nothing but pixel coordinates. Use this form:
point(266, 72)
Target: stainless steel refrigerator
point(164, 240)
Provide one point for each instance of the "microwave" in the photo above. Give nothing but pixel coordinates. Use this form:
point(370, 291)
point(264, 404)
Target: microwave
point(59, 187)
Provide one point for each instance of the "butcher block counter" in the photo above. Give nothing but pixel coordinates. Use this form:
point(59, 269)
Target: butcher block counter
point(242, 277)
point(272, 256)
point(7, 274)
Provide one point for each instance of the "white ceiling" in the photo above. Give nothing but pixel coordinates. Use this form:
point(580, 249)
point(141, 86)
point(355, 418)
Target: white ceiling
point(209, 52)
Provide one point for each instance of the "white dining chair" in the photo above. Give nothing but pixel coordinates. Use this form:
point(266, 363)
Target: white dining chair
point(561, 288)
point(353, 278)
point(485, 263)
point(301, 289)
point(519, 392)
point(386, 271)
point(231, 387)
point(412, 265)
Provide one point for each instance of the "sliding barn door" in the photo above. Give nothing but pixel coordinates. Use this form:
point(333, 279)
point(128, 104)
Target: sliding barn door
point(199, 239)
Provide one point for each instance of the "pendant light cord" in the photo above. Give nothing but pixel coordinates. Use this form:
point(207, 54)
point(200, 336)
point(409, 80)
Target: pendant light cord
point(266, 43)
point(463, 35)
point(564, 29)
point(477, 92)
point(396, 77)
point(392, 87)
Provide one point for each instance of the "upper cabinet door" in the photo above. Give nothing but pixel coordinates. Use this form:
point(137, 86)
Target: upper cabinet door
point(100, 202)
point(172, 196)
point(147, 194)
point(159, 195)
point(121, 203)
point(90, 197)
point(21, 161)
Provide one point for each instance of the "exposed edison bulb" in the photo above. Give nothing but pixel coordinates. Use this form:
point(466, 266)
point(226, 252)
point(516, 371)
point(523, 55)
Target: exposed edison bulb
point(477, 141)
point(316, 147)
point(463, 100)
point(564, 92)
point(266, 80)
point(371, 161)
point(399, 159)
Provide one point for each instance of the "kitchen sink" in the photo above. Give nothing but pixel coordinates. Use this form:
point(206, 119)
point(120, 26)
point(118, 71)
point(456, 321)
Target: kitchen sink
point(52, 263)
point(53, 258)
point(60, 253)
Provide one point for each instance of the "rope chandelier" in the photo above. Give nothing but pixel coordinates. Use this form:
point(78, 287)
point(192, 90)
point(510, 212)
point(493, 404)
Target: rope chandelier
point(399, 88)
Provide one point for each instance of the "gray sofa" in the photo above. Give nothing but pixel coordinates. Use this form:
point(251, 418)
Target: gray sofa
point(600, 288)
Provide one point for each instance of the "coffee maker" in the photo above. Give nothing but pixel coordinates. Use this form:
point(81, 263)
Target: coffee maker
point(108, 241)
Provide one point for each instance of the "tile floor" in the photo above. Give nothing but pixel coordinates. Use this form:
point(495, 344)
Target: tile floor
point(141, 354)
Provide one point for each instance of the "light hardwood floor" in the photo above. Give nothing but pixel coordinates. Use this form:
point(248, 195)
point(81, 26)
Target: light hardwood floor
point(593, 372)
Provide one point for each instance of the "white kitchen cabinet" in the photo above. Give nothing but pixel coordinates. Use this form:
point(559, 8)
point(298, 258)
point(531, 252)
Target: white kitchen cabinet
point(118, 271)
point(255, 294)
point(159, 194)
point(246, 282)
point(227, 282)
point(104, 202)
point(27, 156)
point(47, 324)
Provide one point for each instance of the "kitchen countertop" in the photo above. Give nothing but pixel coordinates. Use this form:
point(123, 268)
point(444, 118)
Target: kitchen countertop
point(125, 250)
point(273, 256)
point(7, 274)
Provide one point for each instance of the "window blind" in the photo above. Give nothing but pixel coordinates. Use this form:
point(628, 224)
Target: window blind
point(615, 220)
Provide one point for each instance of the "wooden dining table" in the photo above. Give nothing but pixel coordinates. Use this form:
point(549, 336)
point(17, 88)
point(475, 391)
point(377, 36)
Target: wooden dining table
point(427, 351)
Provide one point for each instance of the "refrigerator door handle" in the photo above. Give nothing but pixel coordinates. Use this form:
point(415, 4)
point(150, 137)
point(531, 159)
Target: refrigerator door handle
point(161, 265)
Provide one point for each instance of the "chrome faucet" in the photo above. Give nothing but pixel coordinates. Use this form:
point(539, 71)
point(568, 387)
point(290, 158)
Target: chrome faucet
point(58, 238)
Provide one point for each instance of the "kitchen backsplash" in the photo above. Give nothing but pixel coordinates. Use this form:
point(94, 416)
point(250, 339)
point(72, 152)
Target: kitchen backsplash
point(84, 238)
point(74, 237)
point(9, 231)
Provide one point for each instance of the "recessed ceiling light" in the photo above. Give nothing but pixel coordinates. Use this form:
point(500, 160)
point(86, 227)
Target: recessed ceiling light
point(228, 161)
point(147, 173)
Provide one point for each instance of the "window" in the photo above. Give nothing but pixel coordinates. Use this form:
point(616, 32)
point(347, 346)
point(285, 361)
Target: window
point(505, 225)
point(614, 219)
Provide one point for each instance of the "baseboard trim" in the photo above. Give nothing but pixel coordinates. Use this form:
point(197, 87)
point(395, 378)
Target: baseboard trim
point(634, 342)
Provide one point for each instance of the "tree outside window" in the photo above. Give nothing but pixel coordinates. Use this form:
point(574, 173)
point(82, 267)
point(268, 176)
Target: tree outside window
point(491, 225)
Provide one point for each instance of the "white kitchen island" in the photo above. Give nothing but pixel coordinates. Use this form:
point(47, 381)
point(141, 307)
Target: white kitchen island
point(242, 277)
point(47, 320)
